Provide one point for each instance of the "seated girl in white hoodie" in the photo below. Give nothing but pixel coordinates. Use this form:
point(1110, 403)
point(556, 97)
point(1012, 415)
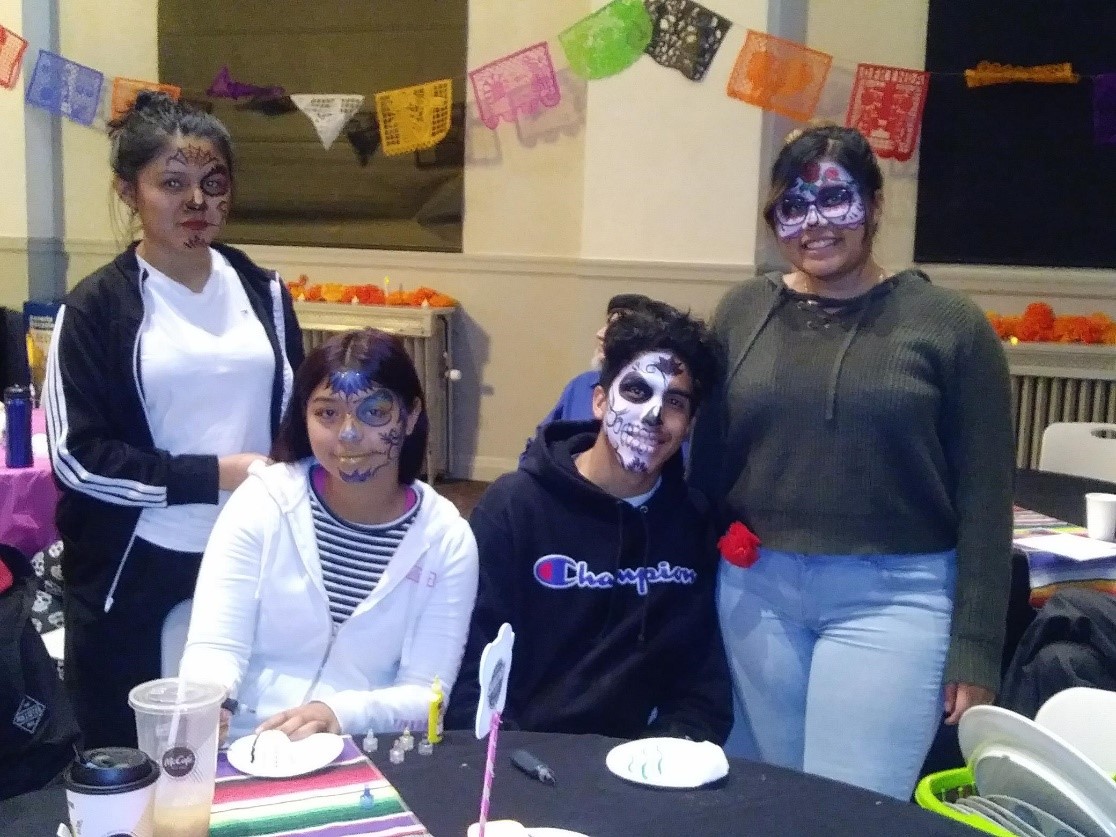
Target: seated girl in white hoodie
point(336, 586)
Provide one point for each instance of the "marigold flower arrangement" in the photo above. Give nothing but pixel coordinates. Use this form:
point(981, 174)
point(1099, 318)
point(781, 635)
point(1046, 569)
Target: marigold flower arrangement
point(303, 290)
point(1038, 324)
point(739, 545)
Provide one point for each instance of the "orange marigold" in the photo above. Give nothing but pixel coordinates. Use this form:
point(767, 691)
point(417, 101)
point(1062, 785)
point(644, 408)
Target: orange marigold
point(1039, 315)
point(334, 292)
point(442, 301)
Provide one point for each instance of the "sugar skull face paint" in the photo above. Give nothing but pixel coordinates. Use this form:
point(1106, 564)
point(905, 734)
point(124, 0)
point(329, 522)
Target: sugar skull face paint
point(825, 193)
point(649, 406)
point(356, 427)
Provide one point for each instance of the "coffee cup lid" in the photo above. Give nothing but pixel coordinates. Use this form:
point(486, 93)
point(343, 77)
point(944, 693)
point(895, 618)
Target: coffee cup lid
point(110, 770)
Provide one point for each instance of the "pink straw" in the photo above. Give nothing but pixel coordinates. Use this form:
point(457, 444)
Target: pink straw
point(489, 769)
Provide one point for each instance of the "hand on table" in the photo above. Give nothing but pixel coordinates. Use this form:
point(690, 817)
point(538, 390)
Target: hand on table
point(962, 696)
point(303, 721)
point(223, 727)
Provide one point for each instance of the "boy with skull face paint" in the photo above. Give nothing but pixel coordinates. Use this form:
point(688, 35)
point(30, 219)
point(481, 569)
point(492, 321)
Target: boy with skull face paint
point(602, 560)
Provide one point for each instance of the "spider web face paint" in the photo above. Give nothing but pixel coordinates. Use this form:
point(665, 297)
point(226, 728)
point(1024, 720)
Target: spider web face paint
point(824, 193)
point(193, 155)
point(646, 410)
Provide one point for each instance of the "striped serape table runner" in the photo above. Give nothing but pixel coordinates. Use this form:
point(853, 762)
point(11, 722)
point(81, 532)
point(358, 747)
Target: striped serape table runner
point(1051, 572)
point(349, 798)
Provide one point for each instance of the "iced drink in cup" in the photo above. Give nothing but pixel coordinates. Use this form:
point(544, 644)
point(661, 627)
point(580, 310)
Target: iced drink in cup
point(176, 723)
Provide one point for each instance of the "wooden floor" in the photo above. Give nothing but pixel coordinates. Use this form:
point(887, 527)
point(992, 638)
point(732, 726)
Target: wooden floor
point(463, 493)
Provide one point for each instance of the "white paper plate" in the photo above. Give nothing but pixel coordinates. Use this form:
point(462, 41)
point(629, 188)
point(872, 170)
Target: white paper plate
point(277, 757)
point(1012, 756)
point(668, 762)
point(1042, 821)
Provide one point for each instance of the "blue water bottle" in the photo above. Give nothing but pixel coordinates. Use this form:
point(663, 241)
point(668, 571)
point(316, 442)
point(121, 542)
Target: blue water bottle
point(17, 409)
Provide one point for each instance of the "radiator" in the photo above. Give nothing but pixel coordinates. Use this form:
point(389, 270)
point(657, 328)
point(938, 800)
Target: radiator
point(427, 336)
point(1052, 383)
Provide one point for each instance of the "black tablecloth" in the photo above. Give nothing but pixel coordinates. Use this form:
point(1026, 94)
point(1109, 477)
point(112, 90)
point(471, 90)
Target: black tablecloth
point(754, 800)
point(444, 789)
point(1058, 495)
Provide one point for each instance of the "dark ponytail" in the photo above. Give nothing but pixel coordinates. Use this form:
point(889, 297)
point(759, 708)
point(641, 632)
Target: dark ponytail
point(155, 118)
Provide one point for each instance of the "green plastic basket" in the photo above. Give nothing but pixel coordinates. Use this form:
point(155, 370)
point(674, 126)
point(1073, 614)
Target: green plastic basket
point(939, 788)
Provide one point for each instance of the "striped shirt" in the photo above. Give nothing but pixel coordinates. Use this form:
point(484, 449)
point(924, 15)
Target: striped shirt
point(354, 556)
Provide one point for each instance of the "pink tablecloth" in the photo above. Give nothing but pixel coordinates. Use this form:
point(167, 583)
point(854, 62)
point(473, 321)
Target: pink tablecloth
point(27, 500)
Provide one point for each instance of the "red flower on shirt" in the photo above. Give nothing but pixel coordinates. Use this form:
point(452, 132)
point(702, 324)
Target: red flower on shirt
point(739, 546)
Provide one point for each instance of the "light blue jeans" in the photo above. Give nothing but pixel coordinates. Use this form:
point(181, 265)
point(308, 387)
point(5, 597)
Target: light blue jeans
point(837, 662)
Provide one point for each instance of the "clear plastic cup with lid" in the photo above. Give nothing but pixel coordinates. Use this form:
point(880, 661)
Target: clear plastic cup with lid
point(177, 725)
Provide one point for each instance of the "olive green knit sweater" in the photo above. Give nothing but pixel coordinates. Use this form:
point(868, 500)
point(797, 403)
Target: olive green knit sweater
point(882, 426)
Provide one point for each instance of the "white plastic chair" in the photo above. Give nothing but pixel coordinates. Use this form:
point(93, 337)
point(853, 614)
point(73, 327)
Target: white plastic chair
point(1080, 448)
point(1086, 718)
point(175, 627)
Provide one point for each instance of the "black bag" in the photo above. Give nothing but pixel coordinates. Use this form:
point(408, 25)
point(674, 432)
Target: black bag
point(38, 731)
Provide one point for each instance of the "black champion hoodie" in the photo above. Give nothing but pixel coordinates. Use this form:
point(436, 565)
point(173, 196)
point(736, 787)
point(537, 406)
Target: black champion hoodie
point(613, 606)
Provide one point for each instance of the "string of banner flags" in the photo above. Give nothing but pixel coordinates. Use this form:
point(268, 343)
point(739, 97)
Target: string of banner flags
point(770, 72)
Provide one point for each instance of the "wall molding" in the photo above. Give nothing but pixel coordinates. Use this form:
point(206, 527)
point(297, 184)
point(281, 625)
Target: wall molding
point(1062, 360)
point(1030, 283)
point(498, 263)
point(1022, 283)
point(106, 247)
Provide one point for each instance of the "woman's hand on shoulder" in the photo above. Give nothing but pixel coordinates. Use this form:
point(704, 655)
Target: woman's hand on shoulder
point(232, 470)
point(303, 721)
point(959, 697)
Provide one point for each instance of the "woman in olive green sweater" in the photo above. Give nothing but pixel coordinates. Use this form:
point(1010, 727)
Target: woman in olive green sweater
point(863, 432)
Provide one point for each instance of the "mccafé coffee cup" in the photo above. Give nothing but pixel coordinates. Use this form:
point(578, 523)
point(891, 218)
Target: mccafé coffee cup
point(110, 792)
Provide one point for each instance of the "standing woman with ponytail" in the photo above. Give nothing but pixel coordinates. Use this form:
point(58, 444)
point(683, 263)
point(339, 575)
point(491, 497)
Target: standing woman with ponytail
point(864, 434)
point(168, 375)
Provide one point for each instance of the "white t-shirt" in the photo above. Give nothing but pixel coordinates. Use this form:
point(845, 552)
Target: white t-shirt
point(206, 367)
point(640, 499)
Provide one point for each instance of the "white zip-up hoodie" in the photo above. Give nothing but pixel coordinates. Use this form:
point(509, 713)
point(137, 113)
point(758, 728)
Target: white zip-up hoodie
point(261, 625)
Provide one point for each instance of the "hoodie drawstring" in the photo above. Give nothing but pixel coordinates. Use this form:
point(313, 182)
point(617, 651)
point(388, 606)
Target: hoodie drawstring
point(780, 296)
point(835, 372)
point(615, 592)
point(647, 597)
point(839, 361)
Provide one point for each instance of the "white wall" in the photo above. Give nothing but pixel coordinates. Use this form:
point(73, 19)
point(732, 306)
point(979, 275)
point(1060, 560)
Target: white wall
point(92, 32)
point(13, 209)
point(671, 165)
point(523, 200)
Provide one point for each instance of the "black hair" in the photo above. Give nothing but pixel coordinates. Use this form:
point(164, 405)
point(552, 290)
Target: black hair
point(626, 302)
point(657, 326)
point(845, 146)
point(139, 134)
point(379, 356)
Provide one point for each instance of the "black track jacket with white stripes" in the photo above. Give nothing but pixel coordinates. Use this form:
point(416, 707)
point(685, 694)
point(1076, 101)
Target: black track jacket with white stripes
point(101, 447)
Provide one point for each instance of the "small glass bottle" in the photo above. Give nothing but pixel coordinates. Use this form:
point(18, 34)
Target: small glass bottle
point(406, 740)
